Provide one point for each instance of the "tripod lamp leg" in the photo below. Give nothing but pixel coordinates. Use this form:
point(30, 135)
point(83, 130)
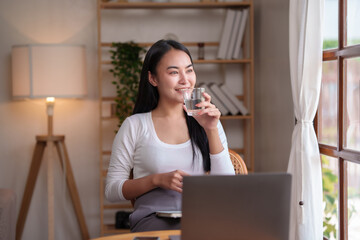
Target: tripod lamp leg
point(66, 166)
point(29, 188)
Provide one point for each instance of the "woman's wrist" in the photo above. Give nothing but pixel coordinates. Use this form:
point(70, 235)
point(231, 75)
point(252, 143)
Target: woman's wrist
point(214, 132)
point(154, 179)
point(215, 144)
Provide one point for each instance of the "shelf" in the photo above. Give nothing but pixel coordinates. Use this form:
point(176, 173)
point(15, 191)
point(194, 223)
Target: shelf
point(109, 118)
point(238, 150)
point(237, 117)
point(110, 228)
point(188, 44)
point(149, 44)
point(106, 152)
point(109, 99)
point(206, 61)
point(177, 5)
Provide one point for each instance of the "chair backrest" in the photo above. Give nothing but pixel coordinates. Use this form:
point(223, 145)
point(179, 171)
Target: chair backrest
point(238, 162)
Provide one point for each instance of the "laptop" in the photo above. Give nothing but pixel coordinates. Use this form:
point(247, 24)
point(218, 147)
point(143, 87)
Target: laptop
point(240, 207)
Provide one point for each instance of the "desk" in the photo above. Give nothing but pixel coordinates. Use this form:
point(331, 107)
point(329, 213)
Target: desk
point(164, 235)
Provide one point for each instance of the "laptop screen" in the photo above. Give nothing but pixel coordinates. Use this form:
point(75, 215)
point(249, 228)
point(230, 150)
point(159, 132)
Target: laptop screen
point(248, 207)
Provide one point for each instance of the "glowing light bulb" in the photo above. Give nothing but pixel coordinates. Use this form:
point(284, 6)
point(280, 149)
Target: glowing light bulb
point(50, 102)
point(50, 99)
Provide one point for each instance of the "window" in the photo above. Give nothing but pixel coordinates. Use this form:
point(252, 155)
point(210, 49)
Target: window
point(338, 119)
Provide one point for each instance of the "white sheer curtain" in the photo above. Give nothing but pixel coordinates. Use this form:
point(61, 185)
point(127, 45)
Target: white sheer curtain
point(304, 164)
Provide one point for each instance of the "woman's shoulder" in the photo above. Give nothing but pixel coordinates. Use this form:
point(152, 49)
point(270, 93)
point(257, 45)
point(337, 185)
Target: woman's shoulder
point(138, 118)
point(134, 123)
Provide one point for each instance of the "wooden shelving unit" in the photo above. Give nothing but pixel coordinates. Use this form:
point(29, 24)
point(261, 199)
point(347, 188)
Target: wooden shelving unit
point(247, 64)
point(172, 5)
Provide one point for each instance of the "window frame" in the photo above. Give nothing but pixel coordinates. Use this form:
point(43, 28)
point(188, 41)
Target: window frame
point(340, 54)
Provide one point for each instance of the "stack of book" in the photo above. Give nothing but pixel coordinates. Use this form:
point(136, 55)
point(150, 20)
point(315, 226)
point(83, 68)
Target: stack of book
point(232, 34)
point(224, 99)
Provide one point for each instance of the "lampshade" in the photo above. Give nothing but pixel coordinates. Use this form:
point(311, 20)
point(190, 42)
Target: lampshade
point(48, 70)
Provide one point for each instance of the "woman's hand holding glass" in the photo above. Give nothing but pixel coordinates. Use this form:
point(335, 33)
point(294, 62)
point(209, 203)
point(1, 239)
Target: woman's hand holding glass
point(209, 116)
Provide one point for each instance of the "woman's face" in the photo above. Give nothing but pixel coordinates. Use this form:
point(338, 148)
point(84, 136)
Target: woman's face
point(173, 73)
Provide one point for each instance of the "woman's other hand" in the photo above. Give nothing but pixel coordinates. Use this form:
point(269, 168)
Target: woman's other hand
point(171, 180)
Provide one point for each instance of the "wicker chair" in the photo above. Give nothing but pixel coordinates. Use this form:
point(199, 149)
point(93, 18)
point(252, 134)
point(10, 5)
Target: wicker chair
point(238, 162)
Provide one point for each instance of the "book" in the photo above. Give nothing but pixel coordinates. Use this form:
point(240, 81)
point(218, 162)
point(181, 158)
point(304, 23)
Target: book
point(169, 214)
point(239, 105)
point(234, 34)
point(240, 34)
point(224, 111)
point(227, 103)
point(226, 33)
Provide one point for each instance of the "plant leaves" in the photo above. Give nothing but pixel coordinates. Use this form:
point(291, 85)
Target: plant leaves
point(126, 69)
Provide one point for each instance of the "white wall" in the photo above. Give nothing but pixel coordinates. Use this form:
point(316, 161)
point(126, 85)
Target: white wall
point(274, 117)
point(74, 21)
point(46, 21)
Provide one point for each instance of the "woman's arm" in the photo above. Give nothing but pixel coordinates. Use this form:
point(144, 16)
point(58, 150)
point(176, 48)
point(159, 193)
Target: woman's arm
point(133, 188)
point(126, 189)
point(208, 118)
point(118, 185)
point(215, 144)
point(221, 162)
point(219, 154)
point(121, 161)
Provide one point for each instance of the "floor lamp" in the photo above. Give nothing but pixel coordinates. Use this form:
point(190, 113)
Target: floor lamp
point(49, 71)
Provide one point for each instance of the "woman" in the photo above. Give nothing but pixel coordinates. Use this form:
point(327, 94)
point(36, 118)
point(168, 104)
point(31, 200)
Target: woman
point(161, 144)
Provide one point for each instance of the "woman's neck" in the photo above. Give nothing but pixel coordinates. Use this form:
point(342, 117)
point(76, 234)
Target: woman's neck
point(168, 110)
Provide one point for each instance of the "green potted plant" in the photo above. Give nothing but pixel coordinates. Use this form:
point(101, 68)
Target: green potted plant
point(127, 63)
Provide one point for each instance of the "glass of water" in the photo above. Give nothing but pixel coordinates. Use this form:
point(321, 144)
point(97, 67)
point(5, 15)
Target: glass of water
point(193, 96)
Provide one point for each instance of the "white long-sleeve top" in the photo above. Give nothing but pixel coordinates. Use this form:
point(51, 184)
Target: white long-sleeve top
point(136, 146)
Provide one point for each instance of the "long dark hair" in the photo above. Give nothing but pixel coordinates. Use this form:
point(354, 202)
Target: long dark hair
point(148, 96)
